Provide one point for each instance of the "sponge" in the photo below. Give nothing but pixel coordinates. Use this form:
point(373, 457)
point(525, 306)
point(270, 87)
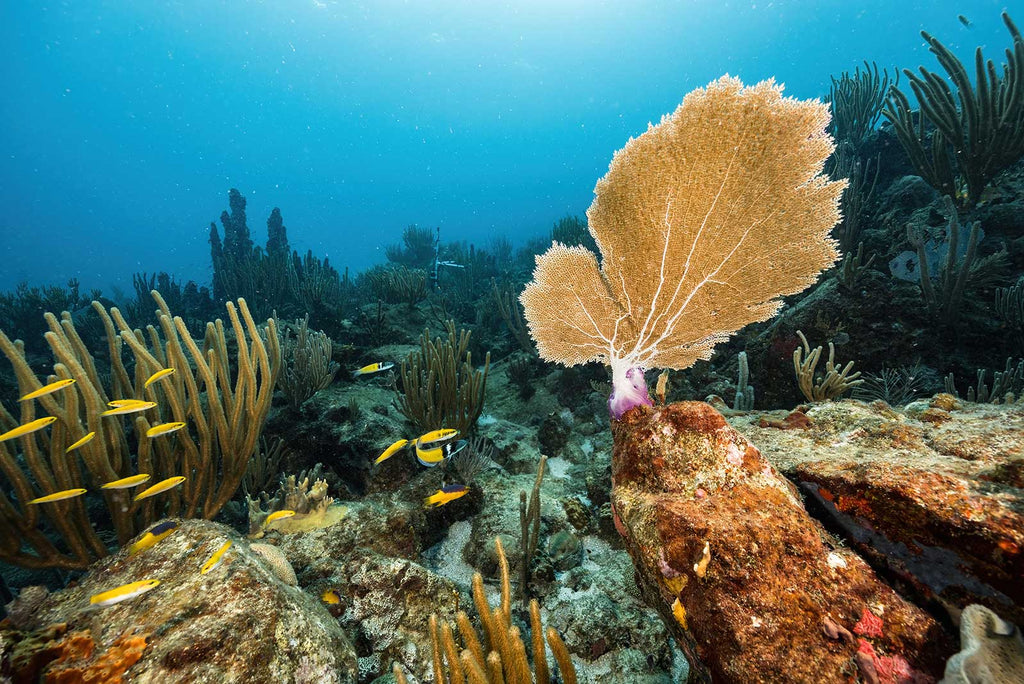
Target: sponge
point(992, 650)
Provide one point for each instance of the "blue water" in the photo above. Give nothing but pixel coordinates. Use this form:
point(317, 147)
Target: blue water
point(124, 124)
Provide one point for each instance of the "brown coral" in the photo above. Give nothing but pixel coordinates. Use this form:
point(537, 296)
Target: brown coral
point(703, 222)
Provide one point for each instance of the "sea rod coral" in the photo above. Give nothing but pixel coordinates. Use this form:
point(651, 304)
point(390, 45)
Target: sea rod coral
point(703, 223)
point(223, 403)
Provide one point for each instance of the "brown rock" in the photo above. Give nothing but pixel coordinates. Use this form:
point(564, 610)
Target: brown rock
point(794, 420)
point(937, 531)
point(939, 503)
point(936, 416)
point(709, 521)
point(236, 623)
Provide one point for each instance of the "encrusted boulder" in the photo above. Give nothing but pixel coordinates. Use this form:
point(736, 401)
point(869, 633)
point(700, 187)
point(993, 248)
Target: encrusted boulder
point(933, 491)
point(386, 603)
point(741, 573)
point(236, 623)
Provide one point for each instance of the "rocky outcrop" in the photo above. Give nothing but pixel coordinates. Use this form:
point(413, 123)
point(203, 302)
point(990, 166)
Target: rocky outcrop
point(746, 578)
point(190, 627)
point(933, 493)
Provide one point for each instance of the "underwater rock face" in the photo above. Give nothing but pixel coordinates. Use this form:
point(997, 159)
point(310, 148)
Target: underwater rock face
point(386, 605)
point(931, 491)
point(744, 578)
point(236, 623)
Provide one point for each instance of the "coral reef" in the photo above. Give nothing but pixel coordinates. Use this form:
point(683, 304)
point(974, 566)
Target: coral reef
point(985, 134)
point(22, 309)
point(833, 384)
point(211, 455)
point(991, 650)
point(683, 551)
point(857, 102)
point(305, 495)
point(308, 362)
point(506, 658)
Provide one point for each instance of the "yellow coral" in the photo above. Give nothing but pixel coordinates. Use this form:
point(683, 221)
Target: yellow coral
point(703, 223)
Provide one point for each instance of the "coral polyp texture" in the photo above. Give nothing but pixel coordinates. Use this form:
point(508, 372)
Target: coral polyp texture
point(703, 223)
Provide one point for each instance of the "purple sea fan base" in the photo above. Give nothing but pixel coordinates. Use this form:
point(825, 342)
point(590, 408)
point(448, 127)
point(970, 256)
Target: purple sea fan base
point(627, 392)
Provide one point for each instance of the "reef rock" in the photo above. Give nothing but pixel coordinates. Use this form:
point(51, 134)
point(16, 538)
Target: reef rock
point(386, 604)
point(742, 573)
point(191, 627)
point(934, 492)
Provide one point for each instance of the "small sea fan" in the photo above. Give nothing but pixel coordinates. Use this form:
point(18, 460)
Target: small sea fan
point(895, 386)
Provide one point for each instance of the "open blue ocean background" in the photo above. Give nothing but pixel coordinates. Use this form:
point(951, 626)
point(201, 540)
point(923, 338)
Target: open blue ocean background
point(124, 124)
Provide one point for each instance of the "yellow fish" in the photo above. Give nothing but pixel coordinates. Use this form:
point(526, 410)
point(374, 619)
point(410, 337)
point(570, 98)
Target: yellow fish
point(277, 515)
point(27, 428)
point(392, 450)
point(155, 534)
point(445, 494)
point(215, 559)
point(437, 436)
point(125, 402)
point(127, 482)
point(48, 389)
point(159, 487)
point(123, 593)
point(164, 429)
point(82, 442)
point(133, 407)
point(58, 496)
point(431, 456)
point(156, 376)
point(373, 368)
point(331, 597)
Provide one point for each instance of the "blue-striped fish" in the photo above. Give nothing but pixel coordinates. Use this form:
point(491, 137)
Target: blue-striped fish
point(154, 535)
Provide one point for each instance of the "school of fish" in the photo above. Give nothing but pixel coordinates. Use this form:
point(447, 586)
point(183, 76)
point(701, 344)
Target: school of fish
point(431, 449)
